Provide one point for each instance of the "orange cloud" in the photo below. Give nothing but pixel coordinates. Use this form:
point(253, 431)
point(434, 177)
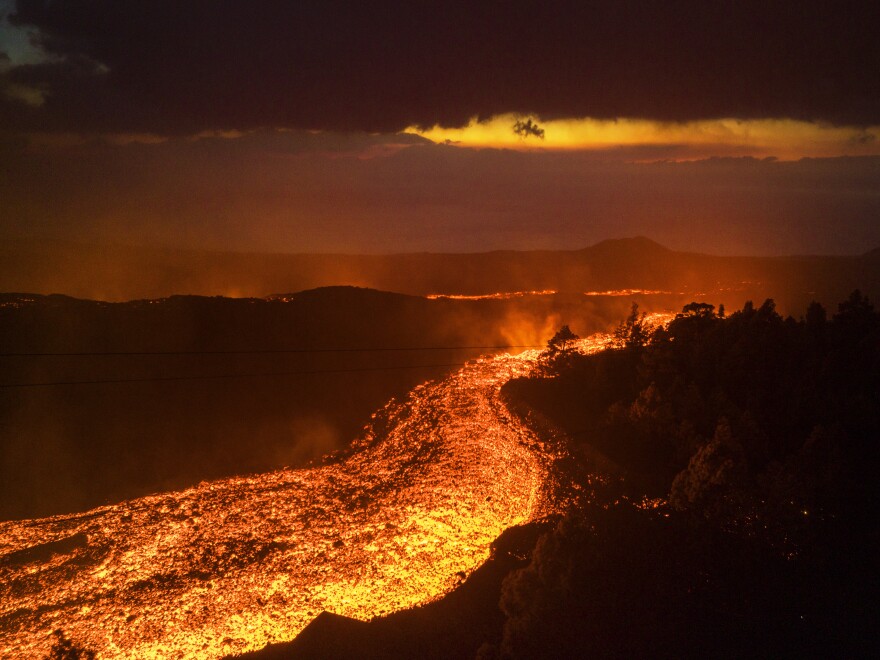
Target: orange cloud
point(785, 139)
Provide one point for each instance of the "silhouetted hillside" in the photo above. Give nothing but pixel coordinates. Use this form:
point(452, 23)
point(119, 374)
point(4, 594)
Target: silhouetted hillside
point(757, 434)
point(123, 273)
point(278, 381)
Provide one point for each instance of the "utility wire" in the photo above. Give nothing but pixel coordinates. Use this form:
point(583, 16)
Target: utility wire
point(224, 376)
point(269, 351)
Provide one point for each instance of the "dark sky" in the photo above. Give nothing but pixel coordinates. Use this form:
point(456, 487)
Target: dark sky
point(274, 125)
point(185, 66)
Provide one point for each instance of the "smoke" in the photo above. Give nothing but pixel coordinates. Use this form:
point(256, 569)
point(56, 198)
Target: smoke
point(311, 438)
point(522, 328)
point(39, 466)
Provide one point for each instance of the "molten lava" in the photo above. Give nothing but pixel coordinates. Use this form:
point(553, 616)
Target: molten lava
point(627, 292)
point(229, 566)
point(504, 295)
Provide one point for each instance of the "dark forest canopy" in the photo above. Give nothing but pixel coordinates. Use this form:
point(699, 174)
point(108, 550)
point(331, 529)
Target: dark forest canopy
point(760, 433)
point(732, 415)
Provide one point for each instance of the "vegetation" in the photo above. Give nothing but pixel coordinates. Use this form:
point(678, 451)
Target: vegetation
point(633, 331)
point(556, 357)
point(758, 434)
point(528, 128)
point(562, 341)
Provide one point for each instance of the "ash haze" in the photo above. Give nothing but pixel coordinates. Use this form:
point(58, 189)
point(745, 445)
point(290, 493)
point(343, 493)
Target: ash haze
point(730, 128)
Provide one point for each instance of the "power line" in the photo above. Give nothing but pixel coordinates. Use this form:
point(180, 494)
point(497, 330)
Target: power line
point(158, 379)
point(268, 351)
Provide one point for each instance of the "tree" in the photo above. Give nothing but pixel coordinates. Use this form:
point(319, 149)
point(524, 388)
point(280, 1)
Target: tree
point(526, 128)
point(562, 341)
point(632, 331)
point(713, 472)
point(856, 306)
point(816, 315)
point(856, 318)
point(558, 354)
point(699, 309)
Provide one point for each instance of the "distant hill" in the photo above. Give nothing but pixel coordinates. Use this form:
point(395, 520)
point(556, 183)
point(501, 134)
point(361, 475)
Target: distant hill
point(125, 273)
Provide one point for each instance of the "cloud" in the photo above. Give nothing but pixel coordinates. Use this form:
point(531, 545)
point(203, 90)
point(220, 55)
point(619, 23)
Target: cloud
point(783, 138)
point(177, 67)
point(300, 192)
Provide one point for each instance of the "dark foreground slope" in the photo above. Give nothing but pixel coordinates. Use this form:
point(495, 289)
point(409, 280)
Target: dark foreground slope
point(759, 434)
point(124, 273)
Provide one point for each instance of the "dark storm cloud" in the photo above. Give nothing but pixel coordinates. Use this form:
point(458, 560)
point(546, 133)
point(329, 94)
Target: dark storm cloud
point(179, 67)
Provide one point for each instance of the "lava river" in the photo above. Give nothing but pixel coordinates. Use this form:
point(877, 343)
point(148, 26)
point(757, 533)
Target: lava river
point(231, 565)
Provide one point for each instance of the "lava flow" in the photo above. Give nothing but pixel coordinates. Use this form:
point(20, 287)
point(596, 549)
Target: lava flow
point(505, 295)
point(231, 565)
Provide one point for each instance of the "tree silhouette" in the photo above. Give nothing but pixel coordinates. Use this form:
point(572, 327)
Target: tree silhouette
point(816, 315)
point(562, 341)
point(700, 309)
point(856, 306)
point(526, 128)
point(633, 331)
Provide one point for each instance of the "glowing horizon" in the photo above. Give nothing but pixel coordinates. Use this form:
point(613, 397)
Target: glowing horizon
point(785, 139)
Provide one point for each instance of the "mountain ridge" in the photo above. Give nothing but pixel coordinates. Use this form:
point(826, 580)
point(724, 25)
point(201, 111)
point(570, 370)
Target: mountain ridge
point(129, 273)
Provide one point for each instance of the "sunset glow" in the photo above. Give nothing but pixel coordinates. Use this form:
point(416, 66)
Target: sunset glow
point(785, 139)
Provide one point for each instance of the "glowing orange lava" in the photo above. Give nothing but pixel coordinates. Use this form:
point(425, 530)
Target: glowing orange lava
point(231, 565)
point(506, 295)
point(627, 292)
